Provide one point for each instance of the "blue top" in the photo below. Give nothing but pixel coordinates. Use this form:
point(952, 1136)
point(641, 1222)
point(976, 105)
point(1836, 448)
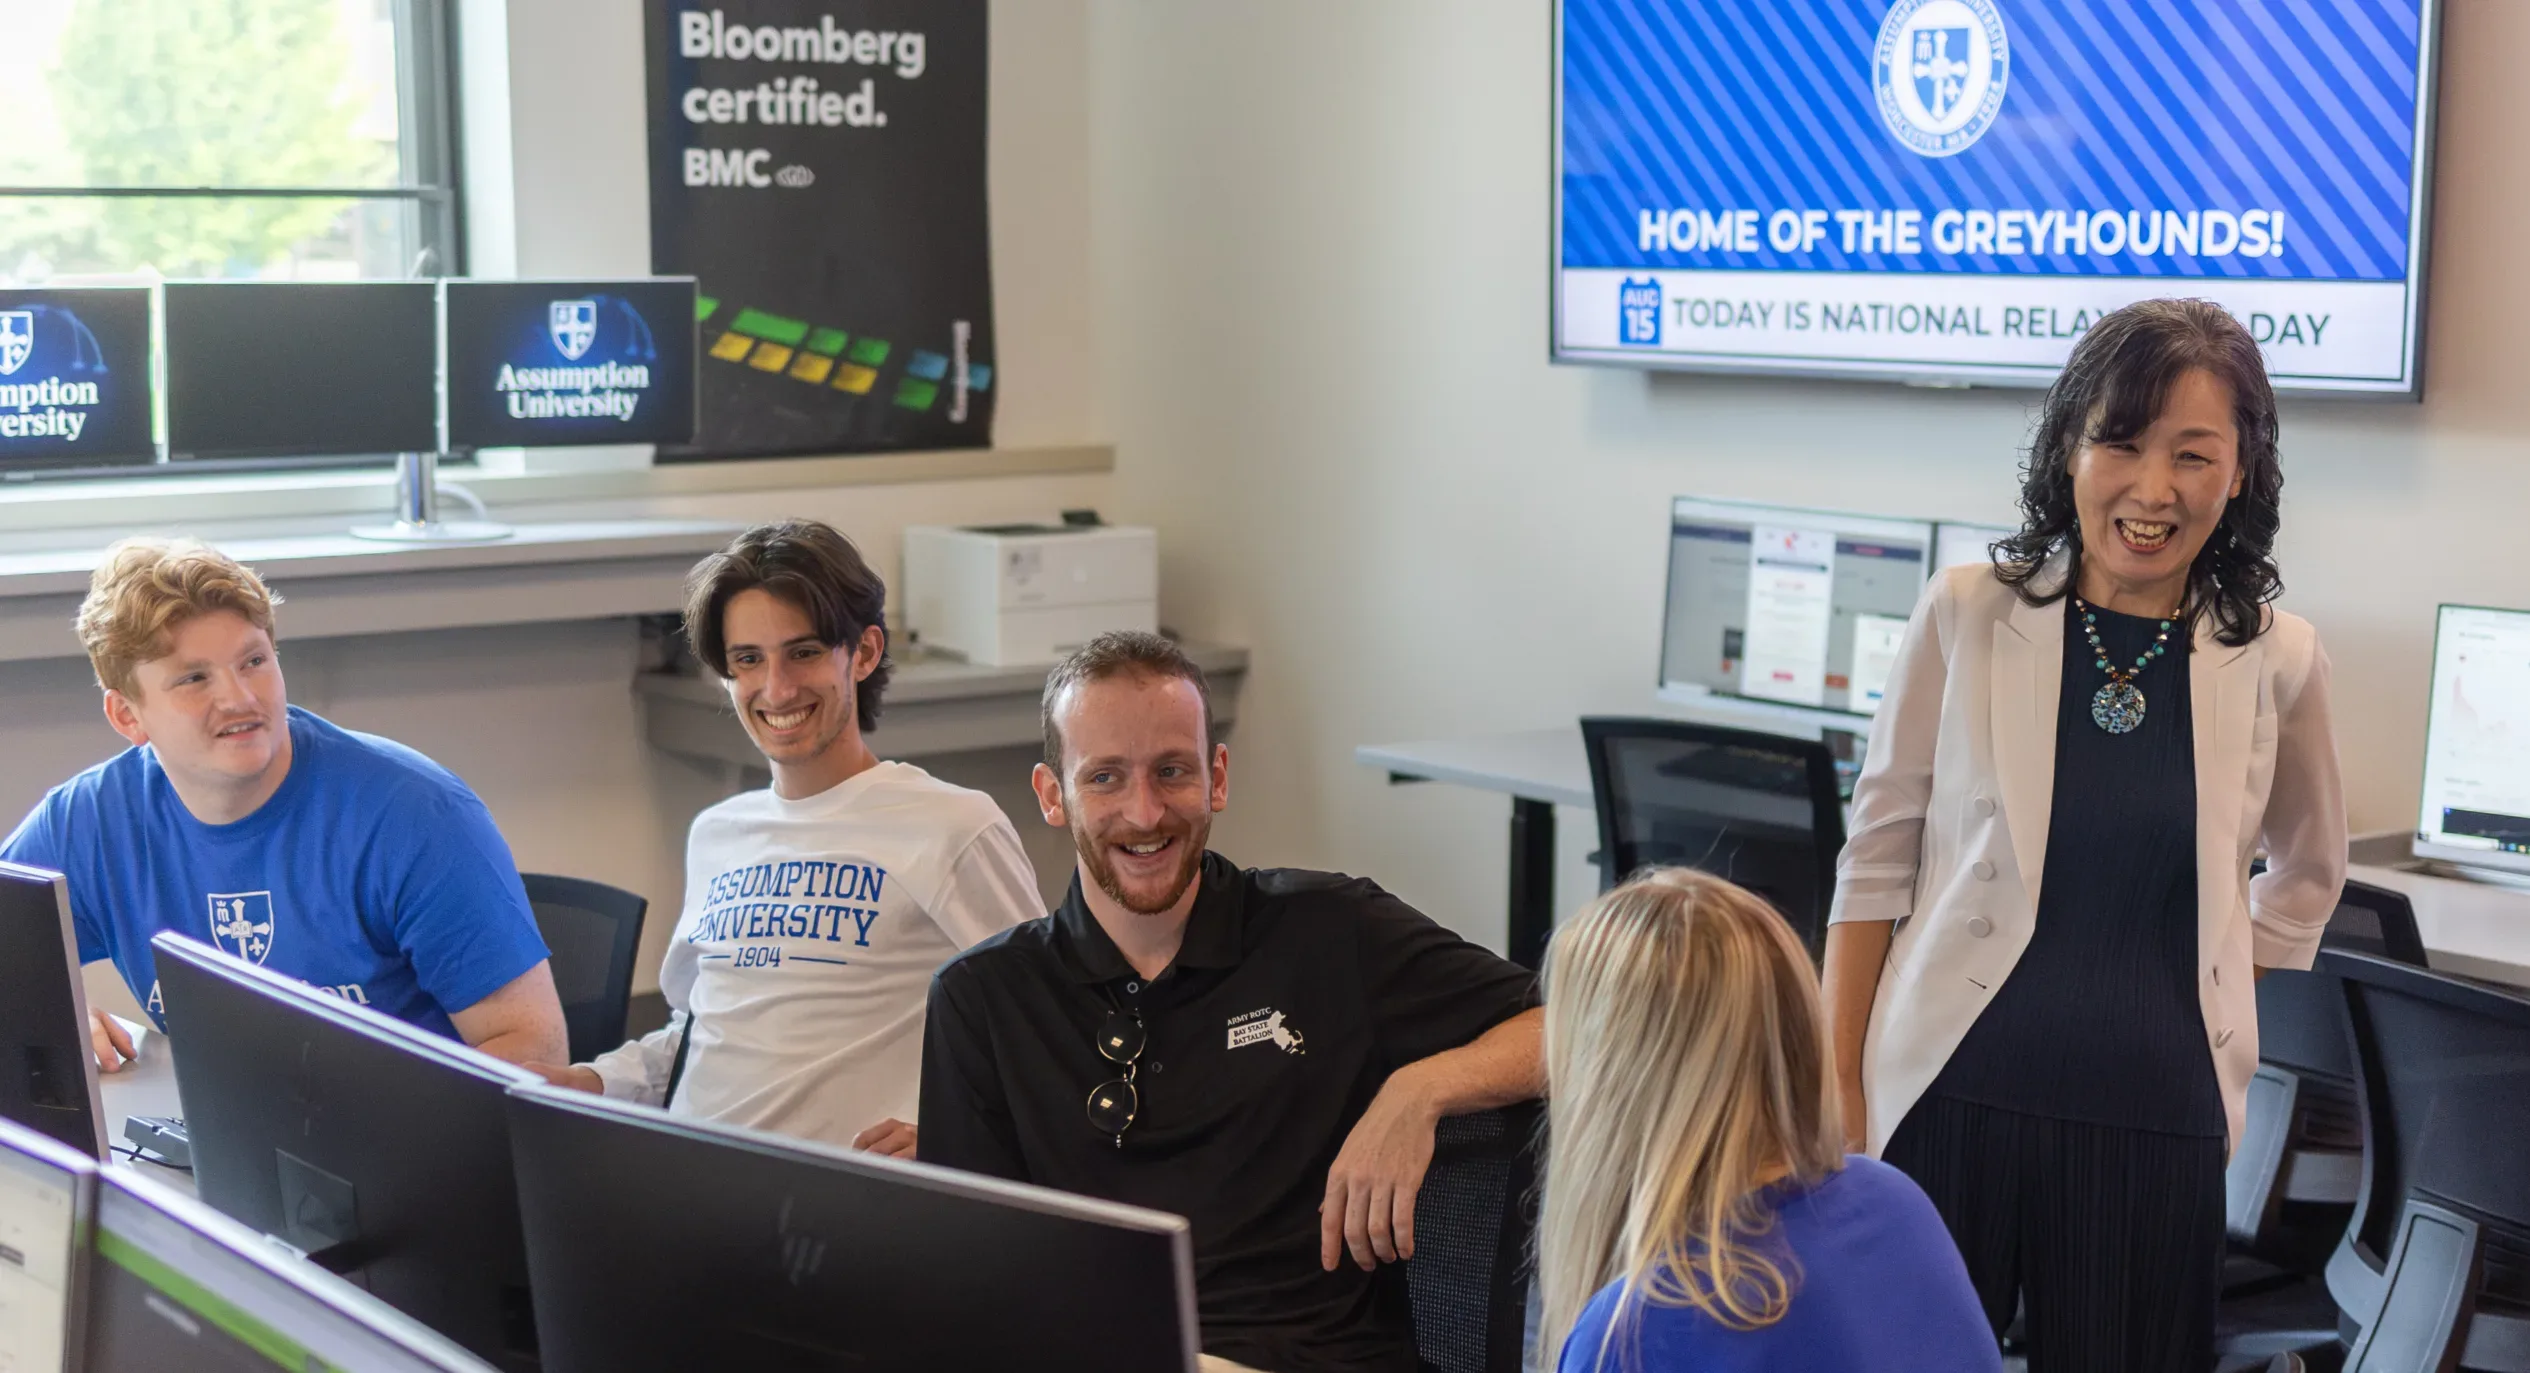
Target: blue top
point(1878, 1288)
point(2099, 1021)
point(371, 873)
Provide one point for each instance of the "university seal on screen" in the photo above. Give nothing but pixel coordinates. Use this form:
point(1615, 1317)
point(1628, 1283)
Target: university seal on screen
point(74, 376)
point(1939, 69)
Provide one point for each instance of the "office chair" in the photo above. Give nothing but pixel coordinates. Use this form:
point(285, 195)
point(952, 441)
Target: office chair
point(1468, 1279)
point(593, 932)
point(2434, 1271)
point(2294, 1178)
point(1759, 809)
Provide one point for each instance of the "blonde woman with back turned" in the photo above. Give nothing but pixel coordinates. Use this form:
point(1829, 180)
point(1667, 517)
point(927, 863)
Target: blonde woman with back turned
point(1700, 1211)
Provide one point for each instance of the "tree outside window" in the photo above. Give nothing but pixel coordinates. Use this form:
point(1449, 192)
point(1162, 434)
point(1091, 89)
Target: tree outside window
point(201, 138)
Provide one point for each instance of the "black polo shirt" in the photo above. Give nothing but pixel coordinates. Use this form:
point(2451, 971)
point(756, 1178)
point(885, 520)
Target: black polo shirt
point(1292, 998)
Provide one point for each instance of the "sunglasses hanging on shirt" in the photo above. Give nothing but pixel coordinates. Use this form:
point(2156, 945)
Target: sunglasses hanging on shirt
point(1114, 1103)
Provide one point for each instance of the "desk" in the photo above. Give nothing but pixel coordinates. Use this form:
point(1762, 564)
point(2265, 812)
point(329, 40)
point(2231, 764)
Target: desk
point(145, 1087)
point(338, 585)
point(1538, 769)
point(2473, 929)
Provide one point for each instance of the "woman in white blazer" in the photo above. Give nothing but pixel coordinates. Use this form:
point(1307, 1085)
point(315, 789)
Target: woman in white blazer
point(2044, 942)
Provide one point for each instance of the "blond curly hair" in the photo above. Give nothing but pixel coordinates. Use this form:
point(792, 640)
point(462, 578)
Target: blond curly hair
point(146, 587)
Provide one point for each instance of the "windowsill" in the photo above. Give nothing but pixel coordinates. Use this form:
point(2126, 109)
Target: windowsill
point(76, 514)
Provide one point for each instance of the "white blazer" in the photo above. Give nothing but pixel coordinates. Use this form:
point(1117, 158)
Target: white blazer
point(1950, 825)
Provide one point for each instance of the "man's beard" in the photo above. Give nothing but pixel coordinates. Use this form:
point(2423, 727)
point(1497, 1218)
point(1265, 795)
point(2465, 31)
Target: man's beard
point(1190, 843)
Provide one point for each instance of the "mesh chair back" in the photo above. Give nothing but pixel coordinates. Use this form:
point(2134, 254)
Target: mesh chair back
point(1759, 809)
point(2377, 921)
point(2292, 1180)
point(1468, 1278)
point(593, 932)
point(2444, 1077)
point(2301, 1015)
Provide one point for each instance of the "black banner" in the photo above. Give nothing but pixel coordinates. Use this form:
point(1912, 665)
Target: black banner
point(819, 166)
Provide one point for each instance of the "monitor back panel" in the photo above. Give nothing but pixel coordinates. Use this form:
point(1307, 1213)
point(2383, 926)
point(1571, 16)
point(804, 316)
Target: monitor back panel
point(385, 1161)
point(48, 1077)
point(656, 1247)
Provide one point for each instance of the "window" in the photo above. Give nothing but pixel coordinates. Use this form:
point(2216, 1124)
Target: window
point(287, 139)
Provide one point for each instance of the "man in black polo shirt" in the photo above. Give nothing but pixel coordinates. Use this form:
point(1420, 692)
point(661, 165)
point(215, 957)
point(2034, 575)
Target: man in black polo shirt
point(1264, 1052)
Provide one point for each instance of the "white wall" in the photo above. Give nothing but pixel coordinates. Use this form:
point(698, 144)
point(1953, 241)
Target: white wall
point(541, 720)
point(1321, 232)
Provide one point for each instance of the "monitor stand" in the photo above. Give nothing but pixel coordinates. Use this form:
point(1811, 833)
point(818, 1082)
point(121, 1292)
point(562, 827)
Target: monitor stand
point(417, 510)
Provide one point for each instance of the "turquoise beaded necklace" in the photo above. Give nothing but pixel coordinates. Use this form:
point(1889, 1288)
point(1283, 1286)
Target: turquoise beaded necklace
point(2119, 706)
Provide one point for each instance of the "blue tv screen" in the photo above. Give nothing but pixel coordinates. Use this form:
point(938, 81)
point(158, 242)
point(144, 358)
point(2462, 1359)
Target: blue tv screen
point(1953, 190)
point(74, 377)
point(536, 364)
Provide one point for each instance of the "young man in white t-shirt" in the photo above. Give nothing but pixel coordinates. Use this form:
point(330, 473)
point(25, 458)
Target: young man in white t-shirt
point(815, 911)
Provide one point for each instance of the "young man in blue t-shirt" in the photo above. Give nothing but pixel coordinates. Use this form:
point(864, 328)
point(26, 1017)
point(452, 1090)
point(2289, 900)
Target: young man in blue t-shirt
point(344, 860)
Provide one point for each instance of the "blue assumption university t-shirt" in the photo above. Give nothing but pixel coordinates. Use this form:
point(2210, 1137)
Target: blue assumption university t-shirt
point(372, 874)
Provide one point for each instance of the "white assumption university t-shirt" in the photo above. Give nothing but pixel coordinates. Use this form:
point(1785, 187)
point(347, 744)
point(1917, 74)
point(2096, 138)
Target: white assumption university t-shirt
point(805, 951)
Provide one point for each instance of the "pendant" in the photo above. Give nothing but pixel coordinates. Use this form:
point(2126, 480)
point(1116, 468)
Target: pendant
point(2118, 708)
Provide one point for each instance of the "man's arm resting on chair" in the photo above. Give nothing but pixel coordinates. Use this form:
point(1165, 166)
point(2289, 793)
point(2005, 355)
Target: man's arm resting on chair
point(1370, 1189)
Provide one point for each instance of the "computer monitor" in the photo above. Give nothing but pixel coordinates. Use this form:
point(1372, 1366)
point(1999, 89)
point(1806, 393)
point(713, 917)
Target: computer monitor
point(1956, 544)
point(48, 1072)
point(659, 1243)
point(74, 377)
point(46, 1195)
point(1802, 608)
point(551, 363)
point(380, 1150)
point(2476, 807)
point(289, 368)
point(173, 1284)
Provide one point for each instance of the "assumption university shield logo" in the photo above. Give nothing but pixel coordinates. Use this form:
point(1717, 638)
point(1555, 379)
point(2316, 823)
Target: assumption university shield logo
point(241, 924)
point(574, 326)
point(17, 339)
point(1940, 68)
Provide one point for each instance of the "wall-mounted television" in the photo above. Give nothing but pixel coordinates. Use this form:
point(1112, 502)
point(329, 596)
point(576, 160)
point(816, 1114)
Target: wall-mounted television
point(1950, 191)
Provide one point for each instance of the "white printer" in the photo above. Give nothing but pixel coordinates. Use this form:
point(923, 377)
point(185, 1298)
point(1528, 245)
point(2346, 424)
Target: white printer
point(1027, 593)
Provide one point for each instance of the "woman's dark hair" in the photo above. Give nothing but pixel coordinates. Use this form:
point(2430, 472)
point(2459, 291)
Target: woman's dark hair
point(810, 567)
point(2112, 389)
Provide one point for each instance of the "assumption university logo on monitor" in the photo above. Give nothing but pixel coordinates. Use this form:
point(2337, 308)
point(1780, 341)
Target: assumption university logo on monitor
point(17, 339)
point(573, 324)
point(1940, 69)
